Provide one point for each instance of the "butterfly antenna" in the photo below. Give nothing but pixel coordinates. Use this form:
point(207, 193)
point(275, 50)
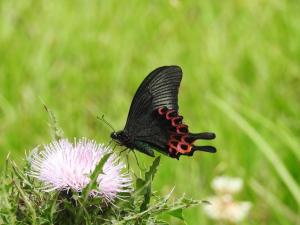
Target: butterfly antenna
point(105, 121)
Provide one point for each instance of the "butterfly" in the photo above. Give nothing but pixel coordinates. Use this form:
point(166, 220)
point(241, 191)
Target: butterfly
point(153, 121)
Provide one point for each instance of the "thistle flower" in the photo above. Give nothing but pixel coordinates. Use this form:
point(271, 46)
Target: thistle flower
point(65, 166)
point(222, 206)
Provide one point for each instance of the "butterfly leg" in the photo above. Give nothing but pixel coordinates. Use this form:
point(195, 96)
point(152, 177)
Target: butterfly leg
point(110, 142)
point(115, 145)
point(137, 161)
point(120, 153)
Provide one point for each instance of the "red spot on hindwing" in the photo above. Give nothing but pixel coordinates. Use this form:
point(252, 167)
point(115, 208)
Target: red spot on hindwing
point(184, 148)
point(179, 140)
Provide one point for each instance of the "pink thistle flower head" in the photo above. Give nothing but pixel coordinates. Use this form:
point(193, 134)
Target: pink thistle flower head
point(63, 166)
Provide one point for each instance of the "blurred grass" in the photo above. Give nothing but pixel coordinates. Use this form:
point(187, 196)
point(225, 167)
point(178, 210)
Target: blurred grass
point(87, 59)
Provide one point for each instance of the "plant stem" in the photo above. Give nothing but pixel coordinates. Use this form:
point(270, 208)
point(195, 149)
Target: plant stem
point(27, 203)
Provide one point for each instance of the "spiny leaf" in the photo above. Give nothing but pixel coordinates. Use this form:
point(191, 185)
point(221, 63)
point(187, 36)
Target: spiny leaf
point(178, 213)
point(139, 186)
point(148, 180)
point(92, 185)
point(98, 170)
point(160, 222)
point(20, 174)
point(27, 202)
point(150, 174)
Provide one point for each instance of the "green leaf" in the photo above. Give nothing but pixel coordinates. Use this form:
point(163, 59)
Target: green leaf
point(149, 175)
point(92, 185)
point(154, 221)
point(152, 171)
point(98, 170)
point(140, 186)
point(178, 213)
point(161, 222)
point(140, 183)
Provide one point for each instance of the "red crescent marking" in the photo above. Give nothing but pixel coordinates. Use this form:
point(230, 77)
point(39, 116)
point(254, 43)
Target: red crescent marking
point(168, 117)
point(182, 126)
point(179, 133)
point(162, 111)
point(176, 120)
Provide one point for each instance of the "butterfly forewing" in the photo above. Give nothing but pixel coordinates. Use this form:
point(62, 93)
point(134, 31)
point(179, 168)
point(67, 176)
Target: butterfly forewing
point(159, 89)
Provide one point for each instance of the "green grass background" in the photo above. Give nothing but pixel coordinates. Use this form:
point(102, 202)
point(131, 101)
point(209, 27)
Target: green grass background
point(241, 64)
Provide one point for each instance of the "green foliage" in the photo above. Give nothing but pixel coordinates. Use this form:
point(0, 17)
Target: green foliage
point(84, 59)
point(147, 183)
point(26, 203)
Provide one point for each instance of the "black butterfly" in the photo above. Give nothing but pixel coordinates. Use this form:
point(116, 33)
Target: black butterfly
point(153, 121)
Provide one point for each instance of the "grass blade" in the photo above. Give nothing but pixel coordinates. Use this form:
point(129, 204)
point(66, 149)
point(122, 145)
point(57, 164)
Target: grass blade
point(281, 132)
point(272, 201)
point(262, 145)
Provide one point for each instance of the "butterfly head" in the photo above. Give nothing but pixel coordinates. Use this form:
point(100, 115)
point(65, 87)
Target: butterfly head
point(120, 137)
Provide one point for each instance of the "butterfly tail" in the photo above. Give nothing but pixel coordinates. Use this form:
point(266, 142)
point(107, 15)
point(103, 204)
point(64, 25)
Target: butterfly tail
point(203, 136)
point(206, 148)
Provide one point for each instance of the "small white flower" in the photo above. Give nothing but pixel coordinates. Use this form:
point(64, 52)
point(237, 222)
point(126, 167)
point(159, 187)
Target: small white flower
point(224, 208)
point(227, 185)
point(62, 165)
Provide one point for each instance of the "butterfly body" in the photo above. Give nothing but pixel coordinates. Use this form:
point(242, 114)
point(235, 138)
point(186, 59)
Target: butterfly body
point(123, 139)
point(154, 122)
